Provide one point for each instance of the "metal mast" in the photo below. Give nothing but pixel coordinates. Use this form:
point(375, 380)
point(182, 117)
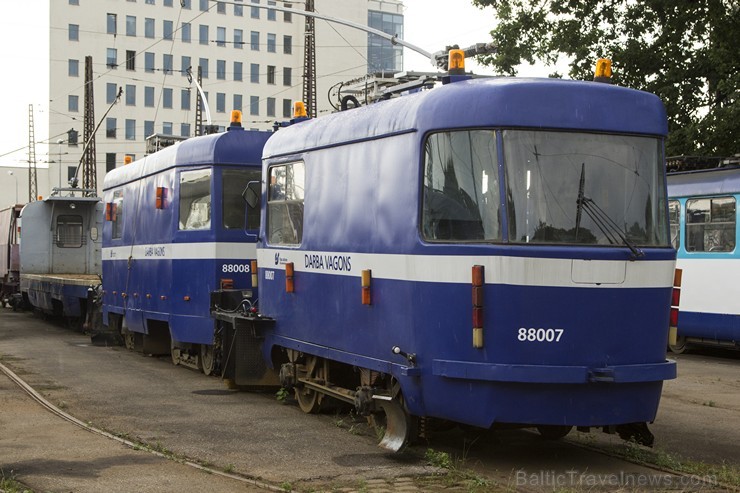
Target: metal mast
point(32, 181)
point(309, 63)
point(89, 171)
point(198, 105)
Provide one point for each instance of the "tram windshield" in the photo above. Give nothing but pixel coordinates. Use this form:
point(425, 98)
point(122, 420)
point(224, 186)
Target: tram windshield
point(559, 188)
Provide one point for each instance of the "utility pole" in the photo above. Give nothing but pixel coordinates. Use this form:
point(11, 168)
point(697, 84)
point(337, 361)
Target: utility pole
point(89, 168)
point(199, 104)
point(32, 180)
point(309, 63)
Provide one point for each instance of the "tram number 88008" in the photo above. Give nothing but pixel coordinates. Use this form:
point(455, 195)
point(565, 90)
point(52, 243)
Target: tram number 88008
point(236, 268)
point(539, 335)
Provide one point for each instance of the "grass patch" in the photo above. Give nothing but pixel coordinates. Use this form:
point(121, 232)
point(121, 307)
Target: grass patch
point(455, 475)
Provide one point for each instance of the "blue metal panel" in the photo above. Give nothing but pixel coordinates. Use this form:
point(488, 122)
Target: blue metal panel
point(711, 326)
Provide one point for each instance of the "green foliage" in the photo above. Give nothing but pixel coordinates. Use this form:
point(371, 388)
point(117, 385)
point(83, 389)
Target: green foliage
point(685, 51)
point(282, 394)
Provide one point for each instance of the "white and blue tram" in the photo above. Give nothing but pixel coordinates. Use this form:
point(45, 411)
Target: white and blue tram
point(174, 232)
point(703, 216)
point(545, 199)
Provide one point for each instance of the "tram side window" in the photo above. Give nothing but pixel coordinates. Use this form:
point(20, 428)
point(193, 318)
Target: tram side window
point(461, 187)
point(117, 219)
point(195, 199)
point(710, 224)
point(69, 232)
point(285, 204)
point(674, 216)
point(234, 181)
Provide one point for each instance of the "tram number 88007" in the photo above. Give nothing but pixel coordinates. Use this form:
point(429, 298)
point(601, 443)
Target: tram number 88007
point(237, 268)
point(539, 335)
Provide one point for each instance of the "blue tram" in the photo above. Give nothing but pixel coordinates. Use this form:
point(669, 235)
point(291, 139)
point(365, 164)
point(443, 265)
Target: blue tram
point(174, 233)
point(545, 199)
point(703, 217)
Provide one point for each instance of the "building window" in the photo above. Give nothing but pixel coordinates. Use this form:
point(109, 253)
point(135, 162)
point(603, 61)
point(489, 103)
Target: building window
point(185, 32)
point(203, 64)
point(167, 28)
point(110, 161)
point(238, 71)
point(148, 61)
point(287, 108)
point(111, 24)
point(238, 39)
point(238, 9)
point(288, 45)
point(148, 28)
point(111, 57)
point(381, 53)
point(254, 105)
point(710, 224)
point(203, 34)
point(185, 99)
point(73, 103)
point(221, 69)
point(220, 36)
point(151, 2)
point(186, 4)
point(271, 74)
point(195, 200)
point(285, 204)
point(254, 73)
point(203, 5)
point(74, 2)
point(288, 16)
point(270, 106)
point(149, 96)
point(287, 76)
point(130, 25)
point(148, 128)
point(74, 32)
point(130, 60)
point(130, 129)
point(238, 102)
point(167, 128)
point(271, 13)
point(271, 43)
point(185, 130)
point(71, 172)
point(130, 95)
point(255, 38)
point(255, 10)
point(167, 97)
point(220, 102)
point(220, 7)
point(184, 65)
point(73, 68)
point(110, 92)
point(110, 128)
point(167, 63)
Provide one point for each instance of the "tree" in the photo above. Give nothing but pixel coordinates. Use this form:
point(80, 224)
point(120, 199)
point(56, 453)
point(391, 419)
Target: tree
point(685, 51)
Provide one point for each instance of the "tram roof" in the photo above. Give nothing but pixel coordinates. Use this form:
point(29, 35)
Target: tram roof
point(235, 146)
point(504, 102)
point(714, 181)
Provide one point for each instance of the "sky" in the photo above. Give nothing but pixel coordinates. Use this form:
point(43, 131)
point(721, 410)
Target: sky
point(24, 45)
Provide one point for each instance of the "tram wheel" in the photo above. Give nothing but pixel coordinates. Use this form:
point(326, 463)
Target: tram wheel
point(680, 346)
point(207, 359)
point(310, 400)
point(553, 432)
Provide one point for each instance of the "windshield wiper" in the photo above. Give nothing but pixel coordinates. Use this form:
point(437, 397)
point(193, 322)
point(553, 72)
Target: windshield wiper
point(606, 224)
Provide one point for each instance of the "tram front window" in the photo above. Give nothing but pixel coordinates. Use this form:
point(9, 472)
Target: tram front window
point(577, 188)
